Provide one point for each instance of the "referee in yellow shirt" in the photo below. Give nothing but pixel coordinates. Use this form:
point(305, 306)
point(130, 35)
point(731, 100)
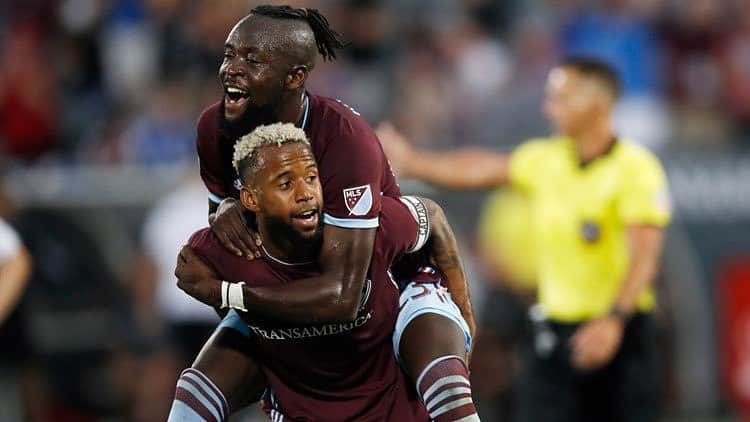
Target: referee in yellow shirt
point(599, 205)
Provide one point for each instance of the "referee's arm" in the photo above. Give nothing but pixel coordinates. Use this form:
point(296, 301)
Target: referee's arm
point(467, 168)
point(596, 342)
point(645, 245)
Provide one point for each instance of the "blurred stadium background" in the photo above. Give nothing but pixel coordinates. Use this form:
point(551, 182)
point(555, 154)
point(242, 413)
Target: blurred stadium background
point(98, 101)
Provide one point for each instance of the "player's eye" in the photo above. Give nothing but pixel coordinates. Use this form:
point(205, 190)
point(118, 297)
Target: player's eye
point(311, 178)
point(228, 54)
point(285, 185)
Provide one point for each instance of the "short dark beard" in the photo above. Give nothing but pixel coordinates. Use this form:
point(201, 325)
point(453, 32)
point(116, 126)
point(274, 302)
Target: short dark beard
point(295, 246)
point(251, 118)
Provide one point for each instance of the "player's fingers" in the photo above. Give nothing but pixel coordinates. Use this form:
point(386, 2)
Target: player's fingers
point(575, 339)
point(582, 346)
point(242, 240)
point(586, 341)
point(238, 216)
point(248, 237)
point(245, 241)
point(577, 359)
point(582, 358)
point(236, 242)
point(227, 242)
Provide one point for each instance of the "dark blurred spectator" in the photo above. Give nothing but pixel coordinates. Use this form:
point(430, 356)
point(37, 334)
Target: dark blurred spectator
point(737, 62)
point(696, 32)
point(514, 113)
point(363, 76)
point(28, 94)
point(447, 75)
point(73, 314)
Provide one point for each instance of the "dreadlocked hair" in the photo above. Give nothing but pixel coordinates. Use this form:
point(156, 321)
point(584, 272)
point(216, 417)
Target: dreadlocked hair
point(327, 40)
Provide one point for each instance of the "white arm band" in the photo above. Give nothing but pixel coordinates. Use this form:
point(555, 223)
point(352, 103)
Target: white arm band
point(232, 295)
point(422, 217)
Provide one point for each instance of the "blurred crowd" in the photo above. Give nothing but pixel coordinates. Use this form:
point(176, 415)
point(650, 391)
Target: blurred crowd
point(121, 81)
point(103, 331)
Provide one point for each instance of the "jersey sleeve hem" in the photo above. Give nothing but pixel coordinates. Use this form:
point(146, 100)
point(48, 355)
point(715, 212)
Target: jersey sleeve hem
point(215, 198)
point(351, 223)
point(662, 220)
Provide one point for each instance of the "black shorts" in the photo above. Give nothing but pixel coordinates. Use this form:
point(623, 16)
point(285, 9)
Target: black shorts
point(627, 389)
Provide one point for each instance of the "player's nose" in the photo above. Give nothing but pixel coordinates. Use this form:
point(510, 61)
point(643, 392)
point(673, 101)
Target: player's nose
point(304, 193)
point(235, 68)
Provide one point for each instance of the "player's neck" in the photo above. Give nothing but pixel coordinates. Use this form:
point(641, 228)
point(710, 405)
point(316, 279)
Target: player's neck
point(595, 140)
point(292, 109)
point(287, 248)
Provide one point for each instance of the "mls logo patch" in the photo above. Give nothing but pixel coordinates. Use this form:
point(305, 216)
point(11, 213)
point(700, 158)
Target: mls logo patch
point(358, 200)
point(238, 184)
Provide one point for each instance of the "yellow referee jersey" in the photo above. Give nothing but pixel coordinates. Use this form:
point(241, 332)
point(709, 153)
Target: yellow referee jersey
point(579, 217)
point(504, 226)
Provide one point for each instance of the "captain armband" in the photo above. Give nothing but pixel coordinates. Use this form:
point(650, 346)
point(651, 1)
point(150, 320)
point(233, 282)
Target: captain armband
point(419, 212)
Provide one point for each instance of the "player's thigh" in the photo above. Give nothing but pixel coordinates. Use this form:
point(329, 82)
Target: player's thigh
point(428, 337)
point(429, 326)
point(225, 360)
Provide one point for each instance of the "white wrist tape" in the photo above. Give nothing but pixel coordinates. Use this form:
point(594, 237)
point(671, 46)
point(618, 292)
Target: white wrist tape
point(232, 295)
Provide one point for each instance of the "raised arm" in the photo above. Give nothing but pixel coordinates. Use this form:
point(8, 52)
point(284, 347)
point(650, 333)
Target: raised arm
point(468, 168)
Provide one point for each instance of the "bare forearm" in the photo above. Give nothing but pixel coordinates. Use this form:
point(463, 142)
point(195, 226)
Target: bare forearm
point(313, 300)
point(464, 169)
point(334, 295)
point(644, 265)
point(13, 278)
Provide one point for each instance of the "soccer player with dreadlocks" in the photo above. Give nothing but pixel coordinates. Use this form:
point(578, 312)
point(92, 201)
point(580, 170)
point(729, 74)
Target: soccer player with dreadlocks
point(267, 58)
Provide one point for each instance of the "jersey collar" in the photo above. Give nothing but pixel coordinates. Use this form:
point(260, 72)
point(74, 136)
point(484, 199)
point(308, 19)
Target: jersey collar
point(611, 147)
point(282, 262)
point(307, 111)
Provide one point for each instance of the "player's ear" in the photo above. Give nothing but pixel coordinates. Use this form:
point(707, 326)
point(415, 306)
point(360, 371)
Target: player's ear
point(249, 198)
point(297, 77)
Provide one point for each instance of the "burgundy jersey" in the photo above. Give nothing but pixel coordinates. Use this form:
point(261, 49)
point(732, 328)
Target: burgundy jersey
point(331, 371)
point(353, 170)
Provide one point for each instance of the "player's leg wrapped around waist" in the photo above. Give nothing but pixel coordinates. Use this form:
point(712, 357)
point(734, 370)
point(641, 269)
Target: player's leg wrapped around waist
point(419, 298)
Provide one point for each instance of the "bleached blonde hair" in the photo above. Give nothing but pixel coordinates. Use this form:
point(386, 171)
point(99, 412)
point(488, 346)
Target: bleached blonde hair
point(245, 150)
